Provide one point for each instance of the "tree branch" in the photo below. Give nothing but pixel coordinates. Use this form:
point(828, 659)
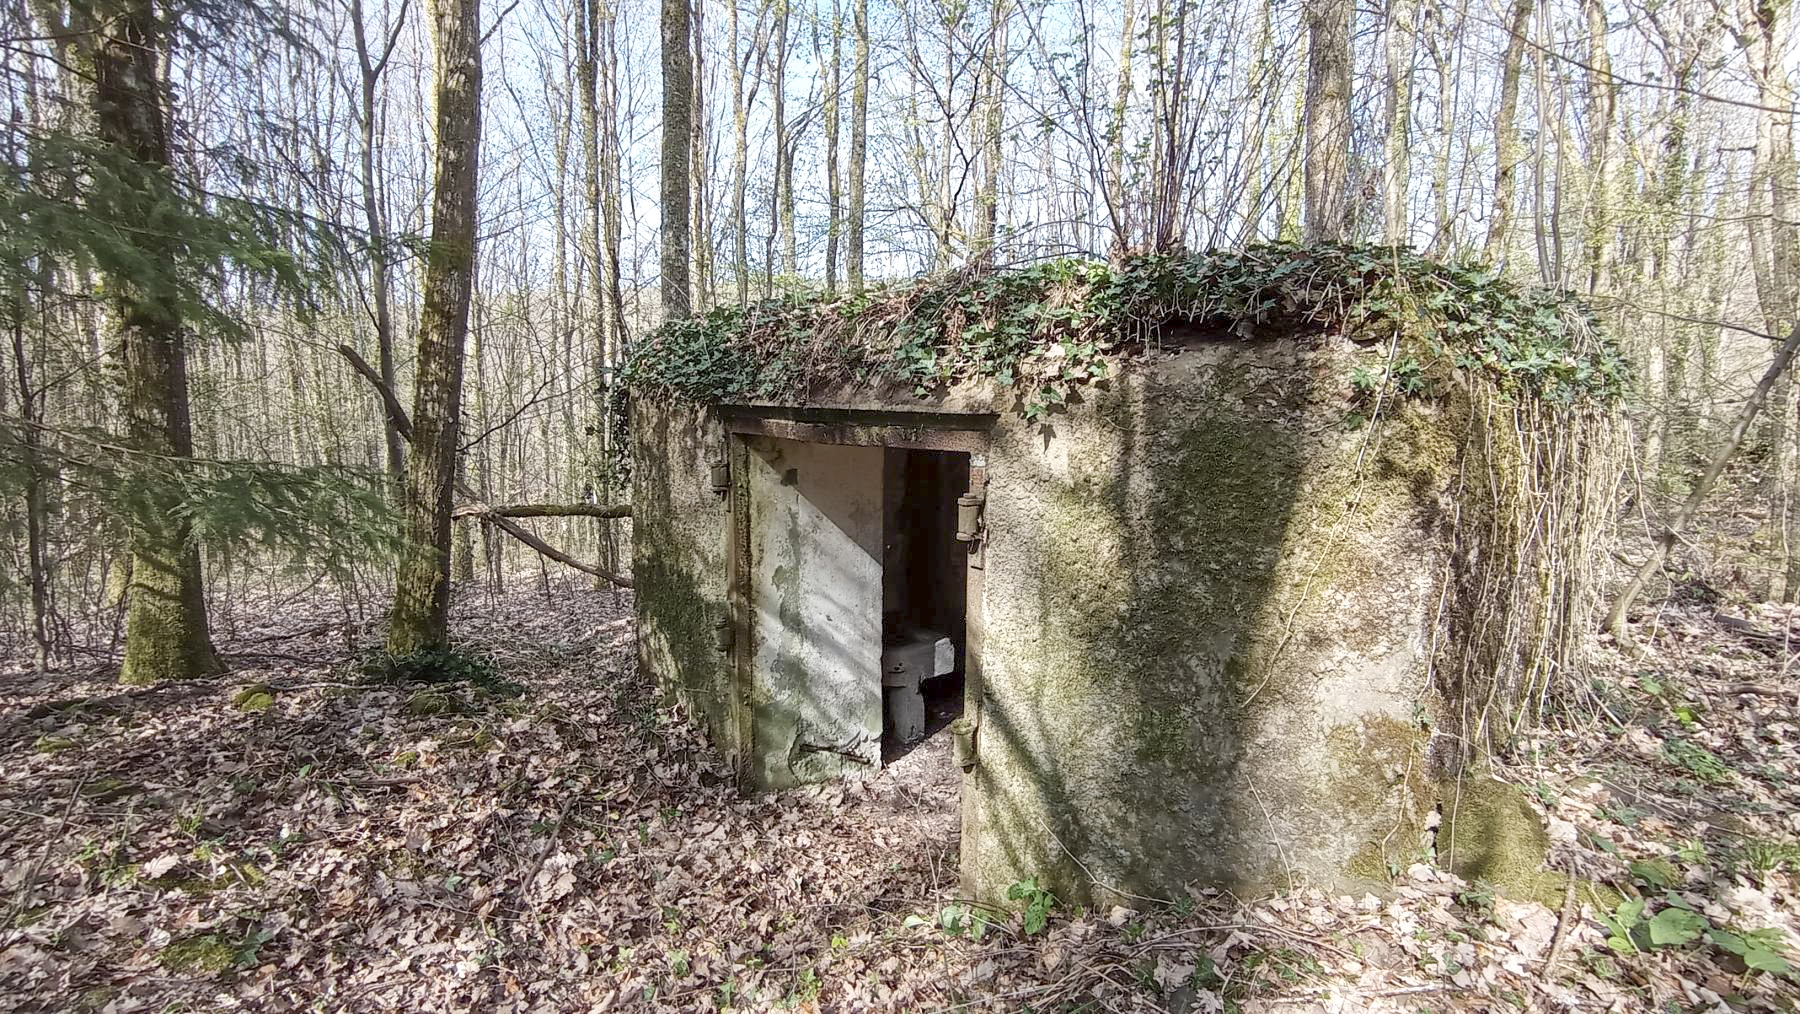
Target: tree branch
point(544, 510)
point(395, 412)
point(1671, 532)
point(500, 517)
point(518, 531)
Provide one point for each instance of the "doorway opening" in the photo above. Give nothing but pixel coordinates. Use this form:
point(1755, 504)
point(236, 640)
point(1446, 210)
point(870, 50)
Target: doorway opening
point(924, 597)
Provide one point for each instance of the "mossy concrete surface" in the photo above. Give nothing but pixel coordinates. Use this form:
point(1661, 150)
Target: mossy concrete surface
point(679, 564)
point(1489, 832)
point(1207, 604)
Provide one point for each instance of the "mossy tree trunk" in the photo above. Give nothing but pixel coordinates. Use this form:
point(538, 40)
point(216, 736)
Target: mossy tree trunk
point(859, 147)
point(1507, 155)
point(678, 125)
point(420, 619)
point(1327, 161)
point(166, 634)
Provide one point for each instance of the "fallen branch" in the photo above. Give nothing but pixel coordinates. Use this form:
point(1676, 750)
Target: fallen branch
point(1565, 922)
point(517, 531)
point(543, 510)
point(494, 516)
point(1671, 532)
point(1759, 690)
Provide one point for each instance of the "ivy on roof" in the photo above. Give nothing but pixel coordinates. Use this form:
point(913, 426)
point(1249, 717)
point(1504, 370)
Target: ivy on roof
point(1049, 327)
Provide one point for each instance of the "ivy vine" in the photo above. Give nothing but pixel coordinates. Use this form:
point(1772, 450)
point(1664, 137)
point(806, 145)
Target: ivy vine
point(1049, 327)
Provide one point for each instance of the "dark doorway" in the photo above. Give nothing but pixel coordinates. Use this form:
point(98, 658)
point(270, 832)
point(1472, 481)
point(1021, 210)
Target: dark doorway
point(924, 596)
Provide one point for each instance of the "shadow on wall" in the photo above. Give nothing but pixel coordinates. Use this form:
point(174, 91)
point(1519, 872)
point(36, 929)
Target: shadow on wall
point(1145, 723)
point(679, 563)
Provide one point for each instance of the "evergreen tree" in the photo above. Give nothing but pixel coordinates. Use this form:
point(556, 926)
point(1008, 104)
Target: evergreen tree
point(166, 633)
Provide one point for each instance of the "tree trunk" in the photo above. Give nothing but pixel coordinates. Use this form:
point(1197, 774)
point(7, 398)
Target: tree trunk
point(994, 89)
point(31, 415)
point(166, 635)
point(422, 587)
point(783, 211)
point(1400, 44)
point(371, 68)
point(859, 148)
point(1327, 120)
point(834, 195)
point(678, 110)
point(1506, 132)
point(1602, 102)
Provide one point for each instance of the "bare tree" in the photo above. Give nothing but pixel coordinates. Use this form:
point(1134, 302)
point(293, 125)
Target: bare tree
point(420, 618)
point(1327, 127)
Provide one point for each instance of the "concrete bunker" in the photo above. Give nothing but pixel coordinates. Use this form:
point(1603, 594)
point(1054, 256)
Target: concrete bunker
point(1221, 612)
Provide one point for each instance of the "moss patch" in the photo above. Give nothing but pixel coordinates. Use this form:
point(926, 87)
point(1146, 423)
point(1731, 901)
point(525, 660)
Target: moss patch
point(207, 954)
point(429, 702)
point(1490, 833)
point(53, 744)
point(256, 699)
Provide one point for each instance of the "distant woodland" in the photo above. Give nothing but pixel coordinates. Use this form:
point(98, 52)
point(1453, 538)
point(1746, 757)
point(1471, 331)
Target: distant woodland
point(317, 294)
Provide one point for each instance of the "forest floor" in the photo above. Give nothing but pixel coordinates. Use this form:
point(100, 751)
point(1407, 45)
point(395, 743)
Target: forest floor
point(288, 837)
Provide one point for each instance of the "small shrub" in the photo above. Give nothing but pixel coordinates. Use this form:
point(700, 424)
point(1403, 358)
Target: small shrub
point(444, 666)
point(1038, 903)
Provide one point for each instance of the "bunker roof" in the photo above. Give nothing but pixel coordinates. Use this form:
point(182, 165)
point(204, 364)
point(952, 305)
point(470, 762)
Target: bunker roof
point(1048, 327)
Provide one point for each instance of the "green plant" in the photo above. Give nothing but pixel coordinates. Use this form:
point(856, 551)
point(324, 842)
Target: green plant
point(439, 667)
point(957, 920)
point(1761, 857)
point(1760, 950)
point(1631, 933)
point(1698, 760)
point(1047, 328)
point(1659, 874)
point(1038, 904)
point(805, 990)
point(1478, 898)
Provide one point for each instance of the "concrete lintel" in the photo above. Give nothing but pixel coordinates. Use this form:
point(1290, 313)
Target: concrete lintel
point(917, 431)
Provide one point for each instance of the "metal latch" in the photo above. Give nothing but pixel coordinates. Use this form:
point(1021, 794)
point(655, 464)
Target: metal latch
point(968, 516)
point(962, 739)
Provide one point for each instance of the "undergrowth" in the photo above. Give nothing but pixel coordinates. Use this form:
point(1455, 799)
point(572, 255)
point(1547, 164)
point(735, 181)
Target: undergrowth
point(439, 667)
point(1049, 327)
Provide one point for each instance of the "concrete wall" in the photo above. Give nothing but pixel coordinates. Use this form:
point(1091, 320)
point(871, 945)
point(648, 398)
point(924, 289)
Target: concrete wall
point(1206, 600)
point(1206, 632)
point(679, 560)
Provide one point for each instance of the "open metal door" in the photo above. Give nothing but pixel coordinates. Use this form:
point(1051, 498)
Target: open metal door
point(813, 597)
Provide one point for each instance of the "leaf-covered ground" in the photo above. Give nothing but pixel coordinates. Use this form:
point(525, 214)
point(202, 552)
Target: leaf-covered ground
point(288, 838)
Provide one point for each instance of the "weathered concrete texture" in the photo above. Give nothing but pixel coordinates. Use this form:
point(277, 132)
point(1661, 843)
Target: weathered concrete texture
point(815, 526)
point(679, 560)
point(1204, 616)
point(1206, 631)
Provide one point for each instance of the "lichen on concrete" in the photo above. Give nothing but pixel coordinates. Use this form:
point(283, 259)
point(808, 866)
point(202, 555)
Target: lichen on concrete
point(1206, 634)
